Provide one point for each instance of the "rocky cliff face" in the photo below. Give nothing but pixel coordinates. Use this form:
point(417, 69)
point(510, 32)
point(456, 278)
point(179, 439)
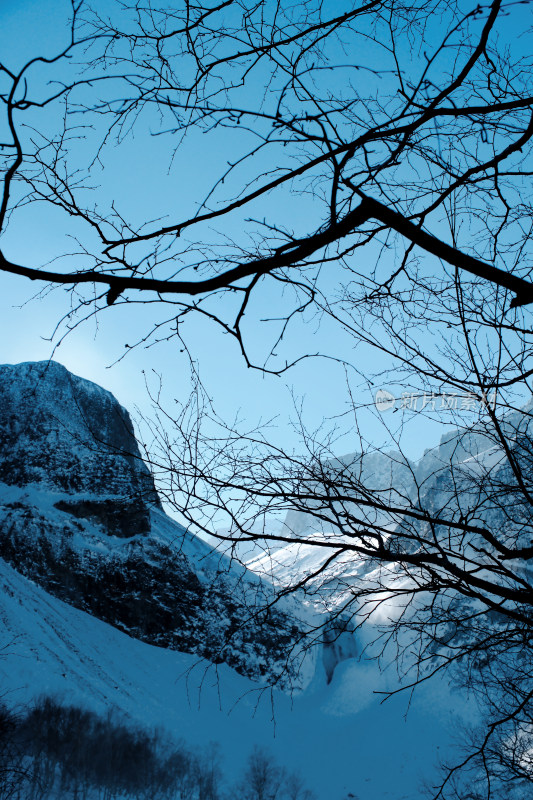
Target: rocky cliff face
point(65, 433)
point(80, 516)
point(70, 437)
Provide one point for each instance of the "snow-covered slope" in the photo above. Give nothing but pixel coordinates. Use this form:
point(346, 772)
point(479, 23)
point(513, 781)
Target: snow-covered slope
point(345, 743)
point(79, 515)
point(101, 592)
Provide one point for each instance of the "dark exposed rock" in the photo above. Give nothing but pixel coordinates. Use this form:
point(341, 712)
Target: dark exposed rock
point(339, 643)
point(118, 516)
point(150, 591)
point(79, 515)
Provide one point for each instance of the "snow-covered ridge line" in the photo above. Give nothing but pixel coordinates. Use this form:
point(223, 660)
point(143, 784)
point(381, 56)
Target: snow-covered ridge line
point(80, 516)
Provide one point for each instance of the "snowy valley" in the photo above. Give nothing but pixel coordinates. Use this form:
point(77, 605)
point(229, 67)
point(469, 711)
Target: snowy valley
point(107, 603)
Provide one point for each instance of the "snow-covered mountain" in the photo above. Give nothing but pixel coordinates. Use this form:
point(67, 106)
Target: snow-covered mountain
point(467, 474)
point(79, 515)
point(337, 735)
point(107, 603)
point(388, 473)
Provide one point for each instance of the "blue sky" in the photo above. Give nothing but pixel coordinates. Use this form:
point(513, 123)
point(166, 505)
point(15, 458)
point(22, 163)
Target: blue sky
point(30, 28)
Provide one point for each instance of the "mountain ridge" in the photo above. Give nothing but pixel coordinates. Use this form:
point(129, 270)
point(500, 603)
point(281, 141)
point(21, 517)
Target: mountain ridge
point(80, 516)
